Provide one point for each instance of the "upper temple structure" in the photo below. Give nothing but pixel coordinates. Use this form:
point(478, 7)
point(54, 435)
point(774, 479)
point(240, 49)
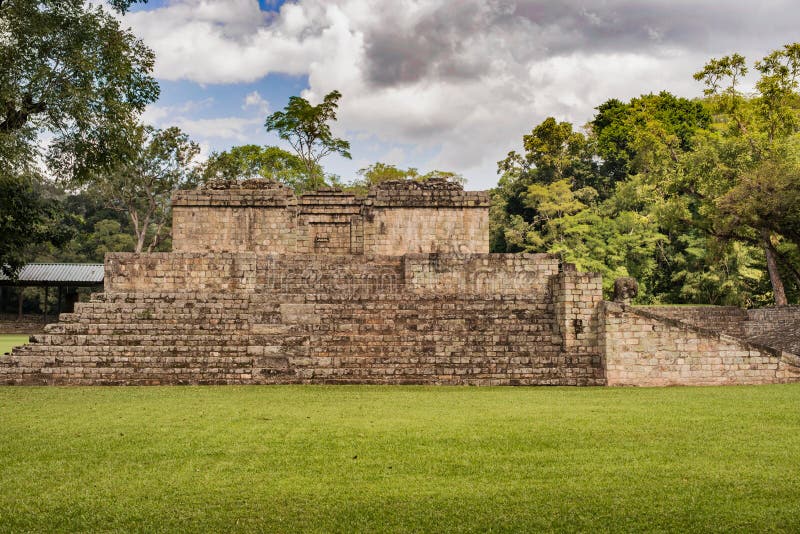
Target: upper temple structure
point(397, 286)
point(395, 218)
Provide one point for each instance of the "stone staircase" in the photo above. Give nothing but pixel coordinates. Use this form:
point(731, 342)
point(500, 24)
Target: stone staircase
point(236, 337)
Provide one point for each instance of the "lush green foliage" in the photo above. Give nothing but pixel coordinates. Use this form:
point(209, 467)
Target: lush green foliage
point(27, 217)
point(69, 73)
point(68, 68)
point(154, 164)
point(248, 162)
point(383, 172)
point(696, 199)
point(421, 459)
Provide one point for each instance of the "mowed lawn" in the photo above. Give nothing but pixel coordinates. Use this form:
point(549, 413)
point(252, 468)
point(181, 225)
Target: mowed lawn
point(360, 458)
point(9, 341)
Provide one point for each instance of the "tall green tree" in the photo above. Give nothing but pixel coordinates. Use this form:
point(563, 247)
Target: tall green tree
point(643, 134)
point(27, 216)
point(752, 157)
point(68, 68)
point(305, 127)
point(156, 163)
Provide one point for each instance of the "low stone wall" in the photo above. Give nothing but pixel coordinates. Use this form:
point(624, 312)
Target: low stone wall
point(726, 319)
point(251, 272)
point(642, 348)
point(29, 324)
point(777, 327)
point(485, 274)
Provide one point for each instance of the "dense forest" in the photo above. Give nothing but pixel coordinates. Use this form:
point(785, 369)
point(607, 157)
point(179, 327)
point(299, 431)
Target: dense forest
point(698, 199)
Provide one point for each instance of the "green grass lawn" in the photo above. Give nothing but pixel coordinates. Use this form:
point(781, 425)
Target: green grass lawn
point(9, 341)
point(283, 459)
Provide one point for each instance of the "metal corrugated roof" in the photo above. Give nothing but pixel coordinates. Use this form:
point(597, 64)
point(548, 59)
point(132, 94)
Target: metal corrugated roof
point(60, 273)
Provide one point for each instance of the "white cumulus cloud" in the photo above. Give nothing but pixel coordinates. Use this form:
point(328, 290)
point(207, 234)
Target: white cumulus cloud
point(460, 80)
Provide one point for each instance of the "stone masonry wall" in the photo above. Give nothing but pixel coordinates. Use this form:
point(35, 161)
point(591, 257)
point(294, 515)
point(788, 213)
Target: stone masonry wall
point(483, 274)
point(394, 219)
point(167, 319)
point(578, 297)
point(641, 348)
point(395, 231)
point(777, 327)
point(726, 319)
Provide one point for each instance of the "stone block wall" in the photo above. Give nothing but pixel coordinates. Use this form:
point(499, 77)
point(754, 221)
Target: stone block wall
point(234, 220)
point(526, 275)
point(777, 327)
point(167, 319)
point(394, 219)
point(397, 231)
point(765, 320)
point(577, 299)
point(726, 319)
point(642, 348)
point(176, 272)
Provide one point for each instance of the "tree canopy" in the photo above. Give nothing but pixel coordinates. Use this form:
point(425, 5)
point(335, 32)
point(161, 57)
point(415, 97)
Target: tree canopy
point(698, 199)
point(140, 184)
point(252, 161)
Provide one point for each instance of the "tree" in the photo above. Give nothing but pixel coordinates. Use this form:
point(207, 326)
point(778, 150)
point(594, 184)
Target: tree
point(26, 217)
point(753, 155)
point(306, 129)
point(383, 172)
point(68, 68)
point(252, 161)
point(632, 136)
point(156, 163)
point(553, 152)
point(108, 237)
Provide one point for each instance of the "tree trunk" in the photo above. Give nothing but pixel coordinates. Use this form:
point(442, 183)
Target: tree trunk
point(772, 267)
point(140, 241)
point(139, 229)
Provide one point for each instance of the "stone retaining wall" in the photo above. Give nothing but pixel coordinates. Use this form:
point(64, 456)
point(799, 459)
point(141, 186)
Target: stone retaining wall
point(776, 327)
point(726, 319)
point(642, 348)
point(30, 324)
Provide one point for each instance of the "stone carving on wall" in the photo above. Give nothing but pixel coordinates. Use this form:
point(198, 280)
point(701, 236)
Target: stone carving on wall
point(625, 289)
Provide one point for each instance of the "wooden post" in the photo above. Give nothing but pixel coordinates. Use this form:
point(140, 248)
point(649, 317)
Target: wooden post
point(19, 303)
point(46, 294)
point(58, 306)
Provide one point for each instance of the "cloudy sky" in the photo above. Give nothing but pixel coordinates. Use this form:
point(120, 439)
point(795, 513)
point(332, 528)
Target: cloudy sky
point(451, 85)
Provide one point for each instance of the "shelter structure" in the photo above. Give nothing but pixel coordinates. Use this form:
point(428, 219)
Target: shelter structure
point(66, 278)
